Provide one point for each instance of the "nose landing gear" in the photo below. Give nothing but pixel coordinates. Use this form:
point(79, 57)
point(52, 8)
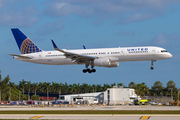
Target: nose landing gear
point(152, 64)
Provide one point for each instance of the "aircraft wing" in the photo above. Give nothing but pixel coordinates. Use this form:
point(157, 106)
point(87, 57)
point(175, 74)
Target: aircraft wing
point(74, 56)
point(20, 56)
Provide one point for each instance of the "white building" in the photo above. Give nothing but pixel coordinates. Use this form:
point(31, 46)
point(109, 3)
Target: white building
point(113, 95)
point(117, 95)
point(91, 98)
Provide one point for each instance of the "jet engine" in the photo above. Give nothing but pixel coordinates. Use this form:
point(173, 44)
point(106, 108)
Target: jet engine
point(105, 62)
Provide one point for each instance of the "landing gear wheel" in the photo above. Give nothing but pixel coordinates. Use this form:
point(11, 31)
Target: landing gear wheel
point(152, 68)
point(89, 71)
point(93, 70)
point(84, 70)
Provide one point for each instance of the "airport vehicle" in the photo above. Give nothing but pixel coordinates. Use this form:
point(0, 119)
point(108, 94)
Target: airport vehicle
point(141, 102)
point(105, 57)
point(153, 103)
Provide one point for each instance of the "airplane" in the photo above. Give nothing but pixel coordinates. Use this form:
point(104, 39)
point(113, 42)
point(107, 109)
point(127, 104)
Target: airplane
point(102, 57)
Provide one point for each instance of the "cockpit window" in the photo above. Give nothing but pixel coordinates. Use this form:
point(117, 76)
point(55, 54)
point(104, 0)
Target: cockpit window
point(164, 51)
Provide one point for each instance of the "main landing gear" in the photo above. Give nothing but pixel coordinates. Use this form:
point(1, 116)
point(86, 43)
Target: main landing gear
point(92, 70)
point(89, 70)
point(152, 64)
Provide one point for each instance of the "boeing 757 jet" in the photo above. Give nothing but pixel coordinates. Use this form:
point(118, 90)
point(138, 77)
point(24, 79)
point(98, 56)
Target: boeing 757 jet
point(104, 57)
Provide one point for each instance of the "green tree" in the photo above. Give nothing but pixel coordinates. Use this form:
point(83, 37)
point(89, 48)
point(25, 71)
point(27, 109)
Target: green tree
point(171, 85)
point(158, 86)
point(142, 89)
point(121, 85)
point(4, 87)
point(22, 85)
point(114, 84)
point(132, 85)
point(35, 87)
point(35, 97)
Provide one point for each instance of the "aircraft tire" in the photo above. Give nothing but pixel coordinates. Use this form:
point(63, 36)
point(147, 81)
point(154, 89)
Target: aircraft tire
point(90, 71)
point(93, 70)
point(152, 68)
point(84, 70)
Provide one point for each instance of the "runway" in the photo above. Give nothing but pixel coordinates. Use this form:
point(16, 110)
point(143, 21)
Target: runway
point(91, 117)
point(92, 108)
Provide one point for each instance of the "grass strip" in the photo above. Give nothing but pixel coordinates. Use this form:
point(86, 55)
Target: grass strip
point(93, 112)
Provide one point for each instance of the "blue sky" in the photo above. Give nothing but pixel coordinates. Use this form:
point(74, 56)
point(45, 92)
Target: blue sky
point(95, 24)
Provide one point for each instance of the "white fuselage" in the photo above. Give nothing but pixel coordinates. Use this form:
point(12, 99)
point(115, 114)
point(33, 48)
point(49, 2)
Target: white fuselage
point(115, 54)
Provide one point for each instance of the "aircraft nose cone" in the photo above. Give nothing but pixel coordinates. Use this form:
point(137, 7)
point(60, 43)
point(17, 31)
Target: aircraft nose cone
point(170, 55)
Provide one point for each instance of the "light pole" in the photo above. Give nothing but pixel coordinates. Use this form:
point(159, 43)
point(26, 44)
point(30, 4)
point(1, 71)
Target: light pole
point(93, 95)
point(178, 94)
point(0, 95)
point(10, 94)
point(59, 95)
point(171, 94)
point(47, 94)
point(19, 95)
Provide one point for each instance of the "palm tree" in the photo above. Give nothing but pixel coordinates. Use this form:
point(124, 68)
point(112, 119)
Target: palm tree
point(105, 87)
point(22, 85)
point(12, 84)
point(59, 87)
point(65, 87)
point(171, 85)
point(78, 88)
point(141, 89)
point(29, 88)
point(158, 86)
point(4, 87)
point(113, 85)
point(132, 85)
point(121, 85)
point(35, 87)
point(47, 85)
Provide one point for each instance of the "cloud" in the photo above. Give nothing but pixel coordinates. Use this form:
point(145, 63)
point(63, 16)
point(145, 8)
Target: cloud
point(18, 13)
point(160, 39)
point(64, 9)
point(126, 11)
point(50, 27)
point(2, 3)
point(168, 41)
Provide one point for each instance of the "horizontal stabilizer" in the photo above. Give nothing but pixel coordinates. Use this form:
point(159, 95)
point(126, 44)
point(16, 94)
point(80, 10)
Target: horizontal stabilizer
point(20, 56)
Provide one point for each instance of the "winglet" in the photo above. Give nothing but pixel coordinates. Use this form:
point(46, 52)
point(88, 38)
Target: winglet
point(54, 44)
point(56, 47)
point(84, 47)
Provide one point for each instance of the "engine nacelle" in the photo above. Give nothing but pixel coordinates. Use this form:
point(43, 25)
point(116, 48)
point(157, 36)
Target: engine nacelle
point(105, 62)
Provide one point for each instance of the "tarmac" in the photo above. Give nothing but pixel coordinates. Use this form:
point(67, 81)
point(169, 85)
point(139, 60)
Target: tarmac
point(148, 107)
point(91, 116)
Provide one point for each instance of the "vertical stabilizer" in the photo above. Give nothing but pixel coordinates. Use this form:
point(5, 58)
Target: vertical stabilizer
point(25, 45)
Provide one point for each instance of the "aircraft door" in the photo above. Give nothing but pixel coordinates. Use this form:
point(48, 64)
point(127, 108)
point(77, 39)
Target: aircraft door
point(154, 51)
point(122, 53)
point(40, 55)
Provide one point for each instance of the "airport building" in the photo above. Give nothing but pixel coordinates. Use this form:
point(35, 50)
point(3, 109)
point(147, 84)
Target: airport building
point(115, 95)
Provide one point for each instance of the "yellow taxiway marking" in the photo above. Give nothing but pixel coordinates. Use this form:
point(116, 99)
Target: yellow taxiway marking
point(36, 117)
point(145, 117)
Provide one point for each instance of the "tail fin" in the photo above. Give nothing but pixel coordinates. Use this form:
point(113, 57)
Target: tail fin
point(24, 43)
